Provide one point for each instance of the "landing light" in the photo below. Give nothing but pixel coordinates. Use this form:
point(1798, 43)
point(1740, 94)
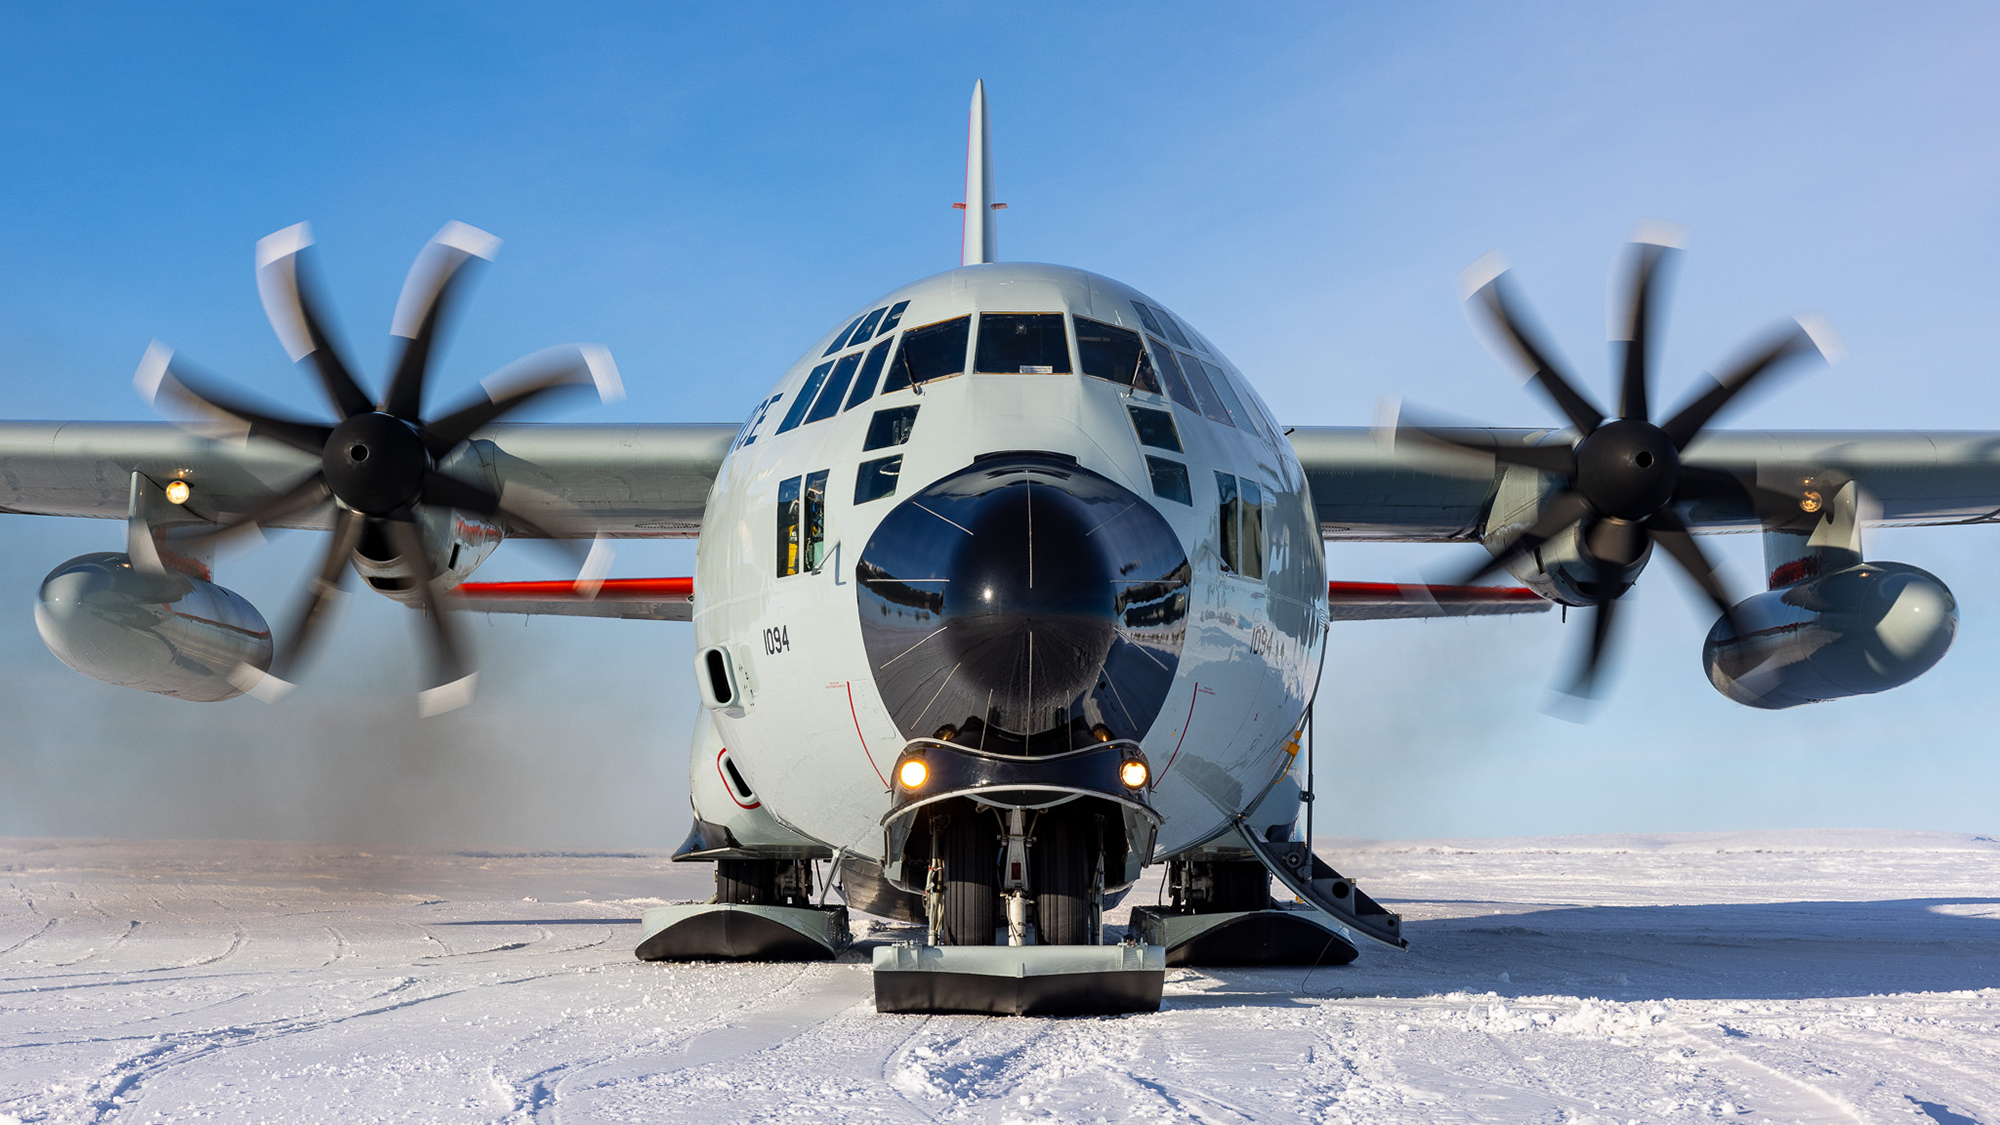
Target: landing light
point(177, 492)
point(1132, 773)
point(913, 773)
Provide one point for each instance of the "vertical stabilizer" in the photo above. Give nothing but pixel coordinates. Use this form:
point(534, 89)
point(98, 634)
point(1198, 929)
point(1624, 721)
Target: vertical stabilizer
point(978, 245)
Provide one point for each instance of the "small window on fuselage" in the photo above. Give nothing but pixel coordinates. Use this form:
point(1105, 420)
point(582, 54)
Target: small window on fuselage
point(1106, 351)
point(815, 502)
point(1229, 511)
point(931, 352)
point(1250, 555)
point(876, 479)
point(890, 427)
point(1022, 344)
point(1170, 480)
point(1155, 428)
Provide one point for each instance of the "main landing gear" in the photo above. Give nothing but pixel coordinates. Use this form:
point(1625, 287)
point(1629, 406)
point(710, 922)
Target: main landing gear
point(763, 910)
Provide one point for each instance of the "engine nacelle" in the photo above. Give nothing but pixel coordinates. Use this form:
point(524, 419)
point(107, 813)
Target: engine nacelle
point(1864, 629)
point(1565, 569)
point(168, 633)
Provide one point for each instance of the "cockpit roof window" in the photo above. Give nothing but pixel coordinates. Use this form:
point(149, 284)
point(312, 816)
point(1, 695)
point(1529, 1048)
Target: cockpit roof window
point(1173, 330)
point(807, 393)
point(1242, 403)
point(1022, 344)
point(1170, 374)
point(895, 317)
point(1146, 318)
point(867, 329)
point(931, 352)
point(1219, 379)
point(1194, 338)
point(836, 388)
point(840, 341)
point(1106, 351)
point(1211, 403)
point(864, 387)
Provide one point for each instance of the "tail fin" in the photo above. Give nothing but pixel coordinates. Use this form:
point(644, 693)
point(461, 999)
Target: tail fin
point(978, 246)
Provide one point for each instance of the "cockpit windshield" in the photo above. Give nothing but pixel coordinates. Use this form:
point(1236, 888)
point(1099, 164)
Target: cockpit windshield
point(1022, 344)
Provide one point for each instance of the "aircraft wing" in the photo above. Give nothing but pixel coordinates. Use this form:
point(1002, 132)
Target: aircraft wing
point(1368, 488)
point(630, 481)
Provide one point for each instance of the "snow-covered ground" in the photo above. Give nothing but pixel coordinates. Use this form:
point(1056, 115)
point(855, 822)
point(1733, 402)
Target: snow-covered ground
point(1774, 976)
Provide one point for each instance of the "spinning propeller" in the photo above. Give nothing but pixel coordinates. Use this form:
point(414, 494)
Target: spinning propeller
point(1622, 478)
point(379, 464)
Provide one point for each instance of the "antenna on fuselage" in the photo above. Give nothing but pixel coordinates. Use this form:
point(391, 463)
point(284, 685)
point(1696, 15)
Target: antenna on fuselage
point(978, 246)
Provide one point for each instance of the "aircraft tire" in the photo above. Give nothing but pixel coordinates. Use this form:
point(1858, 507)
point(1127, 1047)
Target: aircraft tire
point(746, 882)
point(1063, 864)
point(971, 853)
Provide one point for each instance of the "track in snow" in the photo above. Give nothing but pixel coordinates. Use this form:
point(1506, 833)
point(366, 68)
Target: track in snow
point(1750, 977)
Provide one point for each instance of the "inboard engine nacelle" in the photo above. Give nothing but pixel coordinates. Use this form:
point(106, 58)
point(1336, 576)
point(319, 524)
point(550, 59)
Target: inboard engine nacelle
point(169, 632)
point(1864, 629)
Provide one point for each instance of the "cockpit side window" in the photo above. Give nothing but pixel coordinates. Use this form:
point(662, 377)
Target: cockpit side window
point(1170, 374)
point(931, 352)
point(836, 388)
point(895, 317)
point(1105, 351)
point(1211, 403)
point(1022, 344)
point(804, 402)
point(1173, 330)
point(871, 370)
point(1146, 318)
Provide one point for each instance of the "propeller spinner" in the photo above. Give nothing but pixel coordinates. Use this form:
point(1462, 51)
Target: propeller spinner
point(1622, 479)
point(379, 464)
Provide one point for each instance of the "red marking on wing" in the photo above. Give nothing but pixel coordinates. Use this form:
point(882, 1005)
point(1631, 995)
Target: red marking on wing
point(1392, 592)
point(614, 589)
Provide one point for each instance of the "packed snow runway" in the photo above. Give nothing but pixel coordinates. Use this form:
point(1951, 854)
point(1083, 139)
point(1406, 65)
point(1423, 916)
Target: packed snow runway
point(1783, 977)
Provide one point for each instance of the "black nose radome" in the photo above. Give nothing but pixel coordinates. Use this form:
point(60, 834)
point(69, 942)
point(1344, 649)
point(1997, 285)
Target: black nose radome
point(1024, 605)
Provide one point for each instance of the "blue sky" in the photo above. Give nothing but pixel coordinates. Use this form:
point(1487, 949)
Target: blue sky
point(706, 191)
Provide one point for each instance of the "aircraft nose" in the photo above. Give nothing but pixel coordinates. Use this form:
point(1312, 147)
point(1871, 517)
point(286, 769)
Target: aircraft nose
point(1023, 605)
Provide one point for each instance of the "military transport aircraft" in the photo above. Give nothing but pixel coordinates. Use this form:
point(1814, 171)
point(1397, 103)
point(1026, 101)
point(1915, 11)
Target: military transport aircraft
point(1010, 587)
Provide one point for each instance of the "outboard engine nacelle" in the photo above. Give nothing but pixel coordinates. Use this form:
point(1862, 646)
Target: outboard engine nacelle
point(1864, 629)
point(169, 633)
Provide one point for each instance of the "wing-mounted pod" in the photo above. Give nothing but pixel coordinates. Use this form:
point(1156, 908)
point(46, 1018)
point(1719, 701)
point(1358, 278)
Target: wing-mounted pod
point(1831, 625)
point(149, 618)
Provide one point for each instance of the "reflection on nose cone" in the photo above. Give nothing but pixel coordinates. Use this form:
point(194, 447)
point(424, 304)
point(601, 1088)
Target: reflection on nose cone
point(1026, 610)
point(1023, 605)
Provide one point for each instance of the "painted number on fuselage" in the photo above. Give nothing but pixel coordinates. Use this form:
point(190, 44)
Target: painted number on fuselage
point(776, 640)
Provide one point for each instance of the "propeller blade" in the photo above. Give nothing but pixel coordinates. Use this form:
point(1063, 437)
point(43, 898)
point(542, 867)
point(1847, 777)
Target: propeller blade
point(1584, 684)
point(291, 304)
point(163, 379)
point(1806, 336)
point(522, 382)
point(309, 491)
point(1491, 293)
point(452, 676)
point(435, 276)
point(1558, 459)
point(311, 617)
point(1672, 535)
point(1562, 510)
point(1654, 247)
